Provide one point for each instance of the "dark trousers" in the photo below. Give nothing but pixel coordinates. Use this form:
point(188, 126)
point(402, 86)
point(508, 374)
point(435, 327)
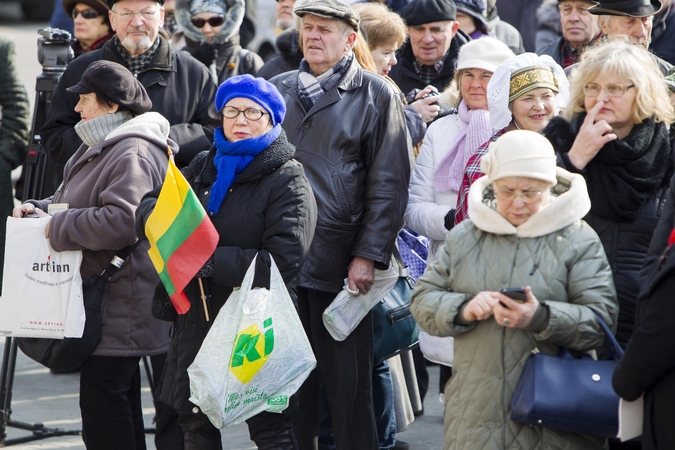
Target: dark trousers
point(345, 369)
point(168, 434)
point(110, 404)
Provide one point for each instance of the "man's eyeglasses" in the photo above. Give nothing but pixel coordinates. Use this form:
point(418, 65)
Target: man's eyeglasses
point(214, 21)
point(230, 112)
point(86, 13)
point(128, 14)
point(613, 90)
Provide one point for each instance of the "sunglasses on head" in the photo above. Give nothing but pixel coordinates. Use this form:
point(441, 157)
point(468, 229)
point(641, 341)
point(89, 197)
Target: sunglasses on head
point(214, 21)
point(86, 13)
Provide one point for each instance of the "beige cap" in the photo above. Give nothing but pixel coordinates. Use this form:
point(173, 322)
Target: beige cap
point(485, 53)
point(520, 153)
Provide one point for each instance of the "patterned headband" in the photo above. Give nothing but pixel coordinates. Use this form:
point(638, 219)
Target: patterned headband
point(528, 78)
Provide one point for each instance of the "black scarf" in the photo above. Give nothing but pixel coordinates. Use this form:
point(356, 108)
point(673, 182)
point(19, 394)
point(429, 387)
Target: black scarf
point(136, 64)
point(625, 172)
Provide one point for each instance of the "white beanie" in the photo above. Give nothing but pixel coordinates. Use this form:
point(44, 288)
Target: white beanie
point(520, 153)
point(485, 53)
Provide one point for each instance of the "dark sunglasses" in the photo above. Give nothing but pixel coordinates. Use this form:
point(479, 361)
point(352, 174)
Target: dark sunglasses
point(214, 21)
point(87, 13)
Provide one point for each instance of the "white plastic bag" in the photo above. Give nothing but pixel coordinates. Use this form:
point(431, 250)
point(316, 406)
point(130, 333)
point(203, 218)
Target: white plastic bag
point(254, 357)
point(440, 350)
point(41, 288)
point(347, 310)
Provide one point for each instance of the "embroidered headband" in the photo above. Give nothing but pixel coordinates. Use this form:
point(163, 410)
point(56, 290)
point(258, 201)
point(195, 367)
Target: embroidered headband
point(532, 77)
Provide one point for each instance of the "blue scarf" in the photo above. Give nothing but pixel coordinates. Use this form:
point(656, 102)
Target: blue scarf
point(231, 160)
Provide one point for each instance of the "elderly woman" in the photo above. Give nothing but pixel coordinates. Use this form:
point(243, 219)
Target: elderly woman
point(124, 155)
point(525, 230)
point(210, 32)
point(524, 93)
point(260, 202)
point(91, 25)
point(615, 133)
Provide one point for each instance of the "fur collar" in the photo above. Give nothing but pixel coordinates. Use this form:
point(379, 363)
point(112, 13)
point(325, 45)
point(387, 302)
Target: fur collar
point(571, 204)
point(233, 19)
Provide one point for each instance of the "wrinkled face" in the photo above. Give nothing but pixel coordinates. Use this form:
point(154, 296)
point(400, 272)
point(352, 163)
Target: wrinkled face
point(431, 41)
point(473, 87)
point(616, 111)
point(385, 57)
point(637, 29)
point(532, 110)
point(285, 13)
point(240, 127)
point(89, 107)
point(137, 23)
point(579, 26)
point(88, 31)
point(324, 42)
point(209, 30)
point(519, 198)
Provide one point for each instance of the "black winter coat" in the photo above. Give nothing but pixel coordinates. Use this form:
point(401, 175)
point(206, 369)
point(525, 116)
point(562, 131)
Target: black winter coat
point(663, 34)
point(353, 146)
point(269, 209)
point(180, 87)
point(288, 58)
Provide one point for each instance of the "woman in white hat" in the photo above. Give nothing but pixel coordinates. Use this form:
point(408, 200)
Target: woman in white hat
point(528, 211)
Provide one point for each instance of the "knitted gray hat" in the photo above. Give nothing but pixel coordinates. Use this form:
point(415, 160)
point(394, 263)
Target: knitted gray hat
point(211, 6)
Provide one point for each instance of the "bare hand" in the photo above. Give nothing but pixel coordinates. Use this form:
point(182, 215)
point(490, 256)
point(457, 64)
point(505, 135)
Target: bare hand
point(592, 136)
point(361, 274)
point(425, 108)
point(26, 210)
point(480, 307)
point(512, 314)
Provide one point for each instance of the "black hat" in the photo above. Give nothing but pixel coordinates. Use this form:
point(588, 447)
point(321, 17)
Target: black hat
point(112, 2)
point(115, 83)
point(98, 5)
point(632, 8)
point(329, 9)
point(420, 12)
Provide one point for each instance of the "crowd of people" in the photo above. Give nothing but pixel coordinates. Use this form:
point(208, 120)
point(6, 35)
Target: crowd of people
point(551, 170)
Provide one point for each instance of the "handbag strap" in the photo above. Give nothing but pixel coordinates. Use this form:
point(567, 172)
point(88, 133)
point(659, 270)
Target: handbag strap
point(403, 270)
point(118, 260)
point(615, 350)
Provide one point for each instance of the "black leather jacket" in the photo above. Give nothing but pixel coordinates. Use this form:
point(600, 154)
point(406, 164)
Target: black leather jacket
point(353, 147)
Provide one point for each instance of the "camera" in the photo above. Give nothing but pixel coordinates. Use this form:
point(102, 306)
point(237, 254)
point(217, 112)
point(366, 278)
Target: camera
point(410, 98)
point(54, 51)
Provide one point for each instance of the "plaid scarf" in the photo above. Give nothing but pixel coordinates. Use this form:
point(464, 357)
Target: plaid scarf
point(311, 88)
point(136, 64)
point(428, 73)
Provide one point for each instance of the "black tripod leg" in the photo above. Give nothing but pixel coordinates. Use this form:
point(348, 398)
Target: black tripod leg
point(6, 380)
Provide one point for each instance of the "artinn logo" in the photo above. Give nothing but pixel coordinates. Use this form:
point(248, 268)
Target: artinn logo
point(51, 266)
point(251, 352)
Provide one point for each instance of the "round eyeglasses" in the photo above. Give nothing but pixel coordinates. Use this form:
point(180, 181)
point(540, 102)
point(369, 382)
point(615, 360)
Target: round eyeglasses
point(526, 197)
point(230, 112)
point(214, 21)
point(613, 90)
point(86, 13)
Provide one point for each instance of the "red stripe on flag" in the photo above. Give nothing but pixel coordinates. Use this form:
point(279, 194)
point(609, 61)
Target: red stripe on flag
point(180, 302)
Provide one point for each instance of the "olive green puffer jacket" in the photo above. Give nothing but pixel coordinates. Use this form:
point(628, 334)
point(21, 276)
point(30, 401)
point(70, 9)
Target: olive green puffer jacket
point(562, 259)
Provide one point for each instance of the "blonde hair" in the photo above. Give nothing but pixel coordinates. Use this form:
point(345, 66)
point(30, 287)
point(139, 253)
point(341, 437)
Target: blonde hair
point(629, 62)
point(382, 26)
point(362, 54)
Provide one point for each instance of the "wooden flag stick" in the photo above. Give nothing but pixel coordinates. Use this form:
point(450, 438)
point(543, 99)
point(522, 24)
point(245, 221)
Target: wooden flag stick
point(206, 309)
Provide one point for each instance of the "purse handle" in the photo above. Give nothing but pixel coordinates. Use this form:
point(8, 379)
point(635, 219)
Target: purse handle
point(615, 350)
point(403, 270)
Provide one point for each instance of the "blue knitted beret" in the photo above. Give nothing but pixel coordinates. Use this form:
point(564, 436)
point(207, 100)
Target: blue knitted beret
point(259, 90)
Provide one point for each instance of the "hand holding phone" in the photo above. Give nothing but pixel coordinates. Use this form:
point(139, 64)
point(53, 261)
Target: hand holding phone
point(515, 293)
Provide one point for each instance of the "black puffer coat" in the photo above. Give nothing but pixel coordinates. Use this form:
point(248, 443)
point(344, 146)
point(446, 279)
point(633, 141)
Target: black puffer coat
point(354, 148)
point(270, 209)
point(288, 58)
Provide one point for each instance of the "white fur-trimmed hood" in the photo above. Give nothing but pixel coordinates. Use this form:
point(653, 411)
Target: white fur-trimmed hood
point(565, 209)
point(234, 16)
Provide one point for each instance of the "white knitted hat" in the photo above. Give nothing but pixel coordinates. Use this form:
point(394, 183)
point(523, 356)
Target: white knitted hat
point(520, 153)
point(485, 53)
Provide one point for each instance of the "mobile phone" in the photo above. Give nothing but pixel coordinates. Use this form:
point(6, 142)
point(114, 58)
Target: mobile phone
point(515, 293)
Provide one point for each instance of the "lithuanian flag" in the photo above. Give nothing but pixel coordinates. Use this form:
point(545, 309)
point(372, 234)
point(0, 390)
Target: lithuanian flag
point(181, 235)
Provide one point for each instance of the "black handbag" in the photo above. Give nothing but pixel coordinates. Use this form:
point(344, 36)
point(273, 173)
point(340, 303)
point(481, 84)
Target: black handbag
point(394, 327)
point(68, 354)
point(570, 394)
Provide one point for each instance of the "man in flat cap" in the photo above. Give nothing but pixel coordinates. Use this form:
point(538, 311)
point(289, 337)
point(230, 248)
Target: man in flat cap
point(633, 19)
point(349, 131)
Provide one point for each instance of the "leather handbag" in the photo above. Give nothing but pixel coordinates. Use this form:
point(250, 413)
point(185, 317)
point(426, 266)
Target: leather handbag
point(394, 327)
point(570, 394)
point(68, 354)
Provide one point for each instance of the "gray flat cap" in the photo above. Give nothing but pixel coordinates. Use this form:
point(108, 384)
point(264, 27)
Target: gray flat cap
point(328, 9)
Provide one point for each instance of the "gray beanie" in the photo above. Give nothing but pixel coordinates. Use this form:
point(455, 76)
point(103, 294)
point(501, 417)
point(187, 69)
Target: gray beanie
point(211, 6)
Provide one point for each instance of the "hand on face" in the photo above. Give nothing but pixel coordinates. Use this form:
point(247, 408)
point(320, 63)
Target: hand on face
point(592, 136)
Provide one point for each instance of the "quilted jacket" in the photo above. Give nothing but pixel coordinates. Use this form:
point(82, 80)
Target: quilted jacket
point(562, 259)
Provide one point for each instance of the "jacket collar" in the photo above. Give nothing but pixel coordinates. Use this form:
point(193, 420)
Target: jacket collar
point(406, 56)
point(570, 205)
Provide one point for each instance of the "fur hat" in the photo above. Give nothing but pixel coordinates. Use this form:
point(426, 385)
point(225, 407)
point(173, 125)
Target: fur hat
point(520, 153)
point(115, 83)
point(211, 6)
point(259, 90)
point(233, 12)
point(420, 12)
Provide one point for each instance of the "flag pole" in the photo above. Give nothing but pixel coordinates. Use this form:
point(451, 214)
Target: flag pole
point(206, 309)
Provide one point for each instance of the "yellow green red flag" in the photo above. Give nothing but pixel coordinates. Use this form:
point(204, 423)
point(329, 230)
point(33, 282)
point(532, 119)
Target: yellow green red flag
point(181, 235)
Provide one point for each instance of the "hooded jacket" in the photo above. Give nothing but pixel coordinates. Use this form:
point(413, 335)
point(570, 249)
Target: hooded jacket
point(103, 186)
point(562, 259)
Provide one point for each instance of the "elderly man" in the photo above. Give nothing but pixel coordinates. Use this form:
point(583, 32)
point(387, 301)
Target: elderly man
point(579, 28)
point(285, 18)
point(633, 19)
point(350, 135)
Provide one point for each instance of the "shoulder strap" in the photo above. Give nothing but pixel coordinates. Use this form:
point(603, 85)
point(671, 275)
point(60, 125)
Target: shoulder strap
point(118, 260)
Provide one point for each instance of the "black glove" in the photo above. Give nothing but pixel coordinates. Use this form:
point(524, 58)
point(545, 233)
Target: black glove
point(449, 220)
point(207, 269)
point(205, 53)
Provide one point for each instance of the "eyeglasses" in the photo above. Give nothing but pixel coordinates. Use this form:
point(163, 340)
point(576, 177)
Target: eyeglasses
point(230, 112)
point(86, 13)
point(214, 21)
point(128, 14)
point(613, 90)
point(526, 197)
